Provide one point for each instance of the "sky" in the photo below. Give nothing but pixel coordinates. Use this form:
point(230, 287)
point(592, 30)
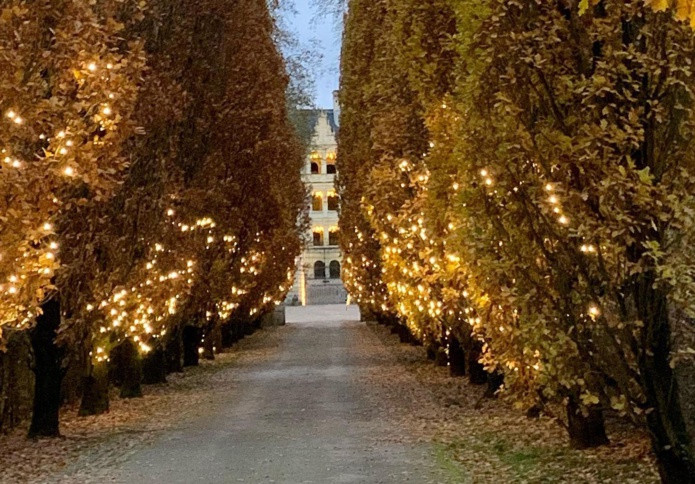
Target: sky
point(325, 36)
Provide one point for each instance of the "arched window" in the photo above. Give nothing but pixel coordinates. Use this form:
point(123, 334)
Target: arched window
point(315, 168)
point(317, 202)
point(333, 236)
point(332, 201)
point(330, 163)
point(334, 269)
point(318, 237)
point(319, 270)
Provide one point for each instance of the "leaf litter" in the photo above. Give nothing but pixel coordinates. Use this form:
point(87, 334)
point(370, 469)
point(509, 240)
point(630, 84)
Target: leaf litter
point(487, 440)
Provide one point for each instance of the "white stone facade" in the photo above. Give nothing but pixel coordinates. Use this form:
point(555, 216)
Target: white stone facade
point(319, 267)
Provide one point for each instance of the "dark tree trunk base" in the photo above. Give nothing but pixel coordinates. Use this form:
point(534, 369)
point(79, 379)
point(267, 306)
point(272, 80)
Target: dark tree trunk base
point(154, 367)
point(587, 431)
point(95, 399)
point(476, 371)
point(457, 358)
point(211, 341)
point(230, 334)
point(432, 349)
point(494, 383)
point(252, 326)
point(48, 359)
point(672, 445)
point(670, 440)
point(191, 342)
point(174, 352)
point(534, 412)
point(129, 369)
point(675, 466)
point(404, 334)
point(442, 359)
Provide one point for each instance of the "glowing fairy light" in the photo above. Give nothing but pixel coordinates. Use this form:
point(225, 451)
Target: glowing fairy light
point(594, 311)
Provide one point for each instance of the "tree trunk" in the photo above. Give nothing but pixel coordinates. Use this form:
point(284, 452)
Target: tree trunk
point(131, 371)
point(534, 412)
point(585, 431)
point(476, 371)
point(154, 366)
point(670, 440)
point(95, 397)
point(432, 349)
point(442, 359)
point(367, 315)
point(212, 340)
point(191, 343)
point(403, 333)
point(174, 351)
point(48, 359)
point(16, 380)
point(457, 357)
point(230, 334)
point(238, 331)
point(209, 346)
point(494, 383)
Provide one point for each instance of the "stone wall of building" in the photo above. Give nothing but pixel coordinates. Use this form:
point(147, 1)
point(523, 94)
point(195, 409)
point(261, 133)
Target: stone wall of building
point(319, 267)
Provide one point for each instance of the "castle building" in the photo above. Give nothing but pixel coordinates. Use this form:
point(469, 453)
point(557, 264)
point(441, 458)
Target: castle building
point(318, 277)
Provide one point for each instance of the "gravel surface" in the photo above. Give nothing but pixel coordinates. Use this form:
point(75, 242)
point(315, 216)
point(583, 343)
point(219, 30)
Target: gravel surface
point(302, 414)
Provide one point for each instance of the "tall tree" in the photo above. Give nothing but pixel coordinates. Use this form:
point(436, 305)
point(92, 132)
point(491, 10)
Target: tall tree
point(577, 205)
point(68, 87)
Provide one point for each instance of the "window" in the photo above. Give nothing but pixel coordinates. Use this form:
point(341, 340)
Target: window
point(332, 201)
point(334, 269)
point(315, 163)
point(317, 202)
point(318, 238)
point(333, 237)
point(319, 270)
point(330, 163)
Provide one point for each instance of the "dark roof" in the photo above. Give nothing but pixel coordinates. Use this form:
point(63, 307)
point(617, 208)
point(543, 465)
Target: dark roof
point(312, 117)
point(331, 120)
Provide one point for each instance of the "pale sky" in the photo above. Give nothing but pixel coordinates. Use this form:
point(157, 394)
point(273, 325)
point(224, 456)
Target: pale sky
point(324, 35)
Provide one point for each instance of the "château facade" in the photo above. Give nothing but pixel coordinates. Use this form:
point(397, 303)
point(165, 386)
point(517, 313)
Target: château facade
point(319, 268)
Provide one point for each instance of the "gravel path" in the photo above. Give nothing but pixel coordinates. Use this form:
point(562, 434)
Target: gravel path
point(302, 415)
